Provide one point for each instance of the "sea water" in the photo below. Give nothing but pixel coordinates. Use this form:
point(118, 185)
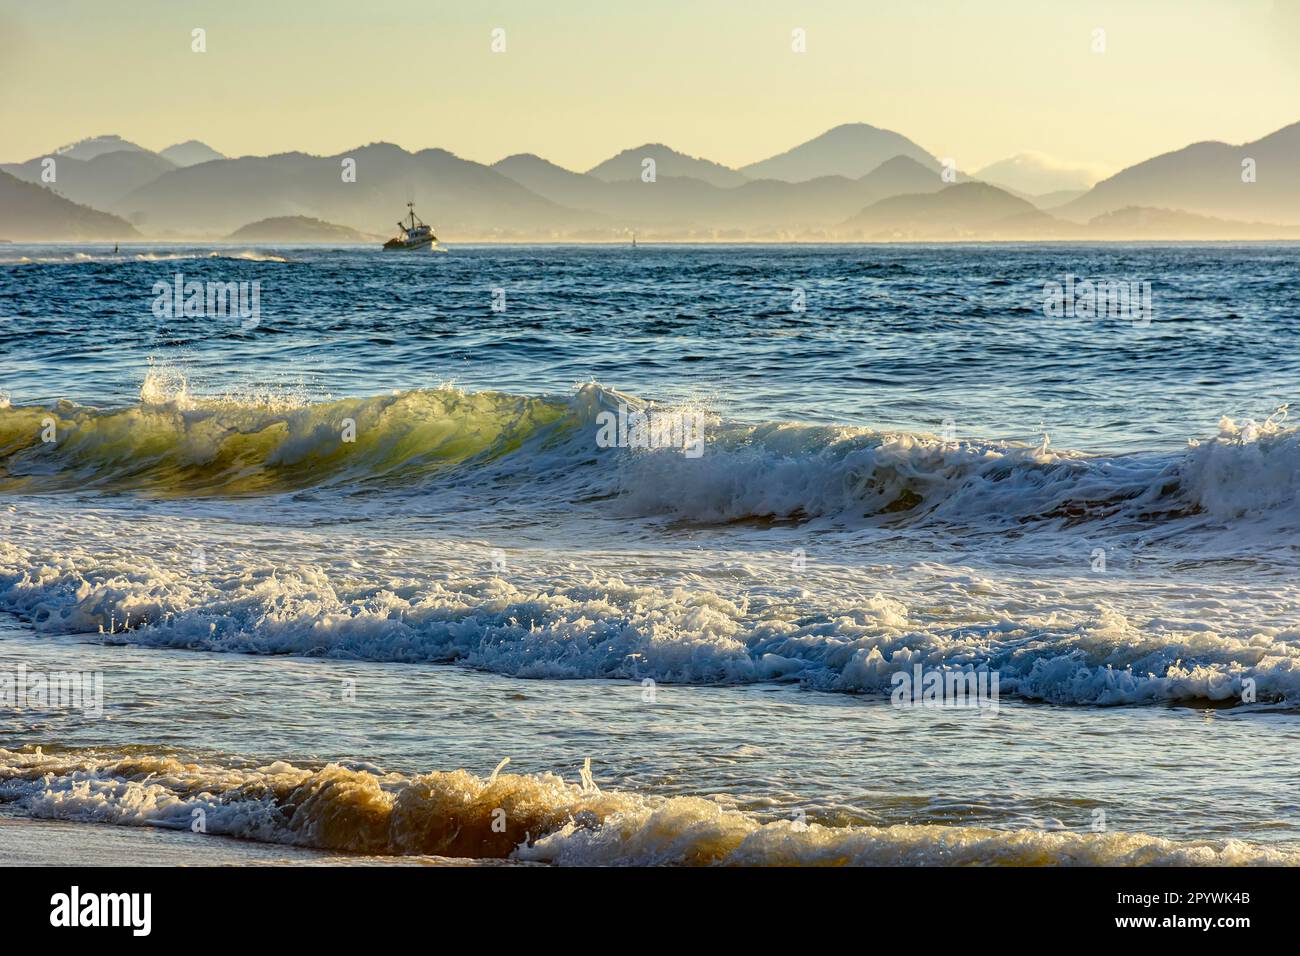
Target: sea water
point(333, 565)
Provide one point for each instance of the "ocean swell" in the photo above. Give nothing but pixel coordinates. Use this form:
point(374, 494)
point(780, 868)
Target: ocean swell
point(172, 444)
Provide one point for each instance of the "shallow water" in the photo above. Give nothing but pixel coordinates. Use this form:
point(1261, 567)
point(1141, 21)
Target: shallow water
point(490, 582)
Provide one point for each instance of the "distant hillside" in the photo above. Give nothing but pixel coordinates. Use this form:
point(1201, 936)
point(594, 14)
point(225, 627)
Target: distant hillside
point(808, 192)
point(1036, 174)
point(668, 162)
point(296, 229)
point(764, 205)
point(30, 213)
point(1206, 178)
point(1050, 201)
point(965, 210)
point(900, 176)
point(99, 181)
point(559, 185)
point(851, 151)
point(775, 204)
point(190, 153)
point(87, 149)
point(1139, 222)
point(458, 197)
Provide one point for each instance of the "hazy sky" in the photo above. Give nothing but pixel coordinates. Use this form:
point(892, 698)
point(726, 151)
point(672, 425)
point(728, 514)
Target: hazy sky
point(581, 79)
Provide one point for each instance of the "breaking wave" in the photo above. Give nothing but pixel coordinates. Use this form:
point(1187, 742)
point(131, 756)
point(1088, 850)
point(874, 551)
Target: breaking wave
point(108, 258)
point(537, 453)
point(176, 445)
point(612, 629)
point(531, 817)
point(173, 444)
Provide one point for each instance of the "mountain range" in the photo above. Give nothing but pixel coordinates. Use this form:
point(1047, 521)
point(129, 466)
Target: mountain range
point(853, 182)
point(851, 151)
point(30, 213)
point(1208, 179)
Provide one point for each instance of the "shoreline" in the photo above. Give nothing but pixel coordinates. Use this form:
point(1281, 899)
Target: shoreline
point(27, 841)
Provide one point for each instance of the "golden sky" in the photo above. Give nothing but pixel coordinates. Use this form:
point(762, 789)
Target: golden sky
point(976, 80)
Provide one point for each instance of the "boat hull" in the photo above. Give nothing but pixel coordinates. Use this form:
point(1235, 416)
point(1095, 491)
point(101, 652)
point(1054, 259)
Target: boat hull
point(409, 245)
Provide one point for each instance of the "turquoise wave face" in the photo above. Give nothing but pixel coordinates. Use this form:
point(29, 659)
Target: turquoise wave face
point(174, 445)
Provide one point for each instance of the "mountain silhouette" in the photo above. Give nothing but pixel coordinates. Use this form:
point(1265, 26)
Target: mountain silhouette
point(851, 151)
point(190, 153)
point(628, 165)
point(99, 181)
point(31, 213)
point(954, 212)
point(94, 146)
point(811, 191)
point(296, 229)
point(1207, 179)
point(1036, 175)
point(449, 192)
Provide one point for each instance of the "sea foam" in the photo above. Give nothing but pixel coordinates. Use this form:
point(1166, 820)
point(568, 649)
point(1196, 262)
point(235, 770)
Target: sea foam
point(174, 443)
point(608, 627)
point(532, 818)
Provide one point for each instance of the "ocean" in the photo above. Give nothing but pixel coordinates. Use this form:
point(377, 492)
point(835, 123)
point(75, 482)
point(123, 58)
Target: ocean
point(666, 555)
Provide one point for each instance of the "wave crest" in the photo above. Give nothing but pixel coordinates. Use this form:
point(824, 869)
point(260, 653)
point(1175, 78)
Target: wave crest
point(533, 817)
point(612, 629)
point(175, 444)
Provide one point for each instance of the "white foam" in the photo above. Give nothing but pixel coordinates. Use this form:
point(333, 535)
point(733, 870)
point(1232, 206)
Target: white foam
point(786, 471)
point(1055, 632)
point(559, 622)
point(537, 818)
point(128, 256)
point(836, 476)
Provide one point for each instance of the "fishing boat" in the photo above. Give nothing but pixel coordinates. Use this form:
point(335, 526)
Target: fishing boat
point(411, 235)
